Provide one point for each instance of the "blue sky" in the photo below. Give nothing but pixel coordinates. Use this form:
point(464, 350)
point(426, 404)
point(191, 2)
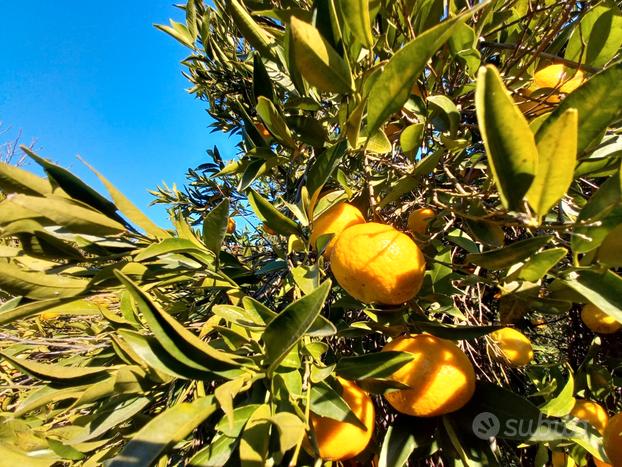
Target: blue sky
point(98, 80)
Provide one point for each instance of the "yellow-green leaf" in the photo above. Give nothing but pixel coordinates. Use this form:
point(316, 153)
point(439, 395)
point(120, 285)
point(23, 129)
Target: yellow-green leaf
point(510, 144)
point(557, 157)
point(317, 61)
point(356, 16)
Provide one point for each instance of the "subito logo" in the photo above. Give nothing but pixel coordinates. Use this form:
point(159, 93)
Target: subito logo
point(486, 425)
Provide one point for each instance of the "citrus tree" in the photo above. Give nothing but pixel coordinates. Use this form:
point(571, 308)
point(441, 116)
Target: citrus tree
point(412, 261)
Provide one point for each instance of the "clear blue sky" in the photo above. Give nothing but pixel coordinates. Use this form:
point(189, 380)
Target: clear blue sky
point(98, 80)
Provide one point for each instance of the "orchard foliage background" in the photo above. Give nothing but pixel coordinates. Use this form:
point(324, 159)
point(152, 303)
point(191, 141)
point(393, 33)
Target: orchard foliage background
point(127, 343)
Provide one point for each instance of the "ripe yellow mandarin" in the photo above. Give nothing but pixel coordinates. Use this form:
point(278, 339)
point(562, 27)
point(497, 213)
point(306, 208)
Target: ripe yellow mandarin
point(590, 412)
point(515, 347)
point(440, 376)
point(599, 463)
point(230, 225)
point(342, 440)
point(48, 315)
point(334, 221)
point(419, 219)
point(598, 321)
point(561, 459)
point(376, 263)
point(612, 440)
point(263, 131)
point(554, 81)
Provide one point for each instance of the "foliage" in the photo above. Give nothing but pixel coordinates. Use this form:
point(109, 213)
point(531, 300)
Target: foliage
point(133, 344)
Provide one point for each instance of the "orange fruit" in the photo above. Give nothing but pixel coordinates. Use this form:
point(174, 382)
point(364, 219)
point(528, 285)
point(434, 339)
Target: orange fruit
point(599, 463)
point(338, 440)
point(268, 230)
point(515, 347)
point(334, 221)
point(419, 219)
point(590, 412)
point(561, 459)
point(263, 131)
point(230, 225)
point(441, 377)
point(598, 321)
point(49, 315)
point(376, 263)
point(612, 440)
point(553, 82)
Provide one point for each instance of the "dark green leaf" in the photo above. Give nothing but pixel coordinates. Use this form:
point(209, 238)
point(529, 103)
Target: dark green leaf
point(288, 327)
point(57, 373)
point(392, 88)
point(372, 365)
point(271, 216)
point(505, 257)
point(178, 341)
point(38, 285)
point(326, 402)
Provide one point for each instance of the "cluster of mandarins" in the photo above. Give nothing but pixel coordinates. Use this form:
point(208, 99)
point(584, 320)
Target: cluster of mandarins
point(376, 263)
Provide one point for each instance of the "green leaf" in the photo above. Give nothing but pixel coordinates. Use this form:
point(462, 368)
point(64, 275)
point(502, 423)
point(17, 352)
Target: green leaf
point(274, 122)
point(317, 61)
point(177, 31)
point(598, 36)
point(116, 415)
point(510, 144)
point(178, 341)
point(57, 373)
point(326, 402)
point(323, 167)
point(563, 402)
point(77, 218)
point(75, 187)
point(262, 84)
point(392, 88)
point(174, 245)
point(557, 157)
point(603, 211)
point(609, 252)
point(215, 227)
point(129, 209)
point(517, 418)
point(12, 456)
point(603, 289)
point(410, 182)
point(267, 213)
point(291, 429)
point(215, 454)
point(444, 114)
point(151, 353)
point(372, 365)
point(38, 285)
point(241, 414)
point(411, 137)
point(356, 16)
point(288, 327)
point(505, 257)
point(16, 180)
point(598, 104)
point(252, 32)
point(254, 444)
point(164, 431)
point(399, 443)
point(536, 267)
